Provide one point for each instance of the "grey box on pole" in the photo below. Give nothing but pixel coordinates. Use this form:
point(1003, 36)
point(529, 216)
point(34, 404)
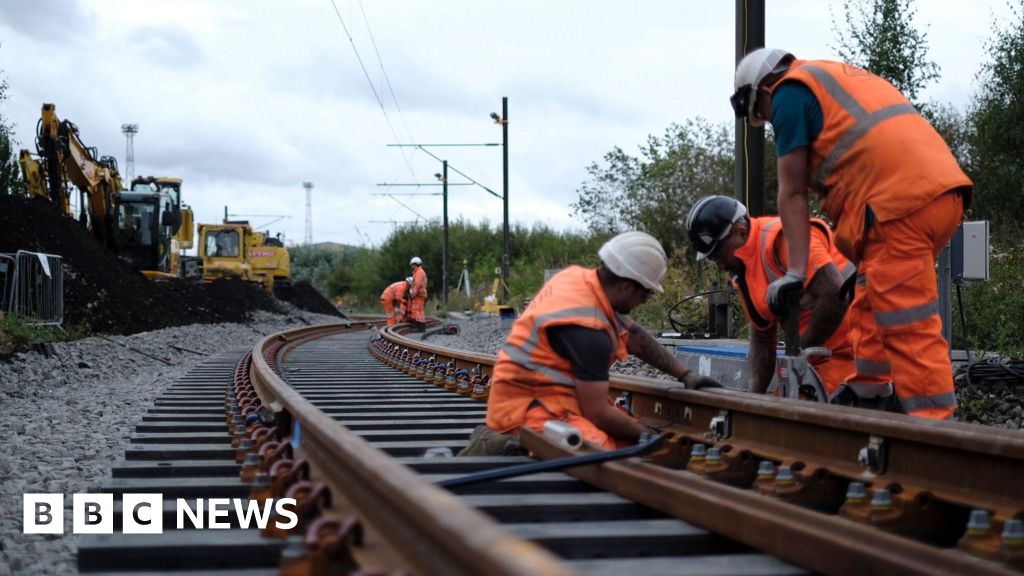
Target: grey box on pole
point(970, 248)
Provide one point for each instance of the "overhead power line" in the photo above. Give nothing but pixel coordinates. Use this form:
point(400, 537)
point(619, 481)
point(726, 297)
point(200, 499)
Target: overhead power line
point(373, 88)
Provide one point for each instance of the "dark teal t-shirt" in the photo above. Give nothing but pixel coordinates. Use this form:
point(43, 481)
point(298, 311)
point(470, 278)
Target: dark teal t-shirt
point(796, 117)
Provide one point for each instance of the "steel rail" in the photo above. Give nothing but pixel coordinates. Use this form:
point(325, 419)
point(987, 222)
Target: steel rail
point(432, 531)
point(825, 544)
point(930, 467)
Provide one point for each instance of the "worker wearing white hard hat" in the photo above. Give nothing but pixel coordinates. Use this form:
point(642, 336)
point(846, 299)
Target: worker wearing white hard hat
point(895, 195)
point(418, 294)
point(555, 363)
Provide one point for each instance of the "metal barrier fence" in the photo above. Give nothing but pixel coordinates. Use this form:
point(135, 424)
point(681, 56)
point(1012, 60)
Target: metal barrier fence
point(35, 289)
point(7, 267)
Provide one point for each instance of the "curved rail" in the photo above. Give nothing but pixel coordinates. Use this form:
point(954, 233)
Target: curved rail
point(427, 526)
point(932, 473)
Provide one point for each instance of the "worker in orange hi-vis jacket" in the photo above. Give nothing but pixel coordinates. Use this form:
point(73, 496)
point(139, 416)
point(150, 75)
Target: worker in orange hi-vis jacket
point(554, 365)
point(417, 294)
point(752, 251)
point(395, 300)
point(895, 194)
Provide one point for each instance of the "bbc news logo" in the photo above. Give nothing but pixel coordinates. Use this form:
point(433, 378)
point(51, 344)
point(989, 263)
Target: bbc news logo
point(144, 513)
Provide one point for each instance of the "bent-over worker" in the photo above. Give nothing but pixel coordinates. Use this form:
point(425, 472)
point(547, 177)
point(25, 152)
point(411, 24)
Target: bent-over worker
point(752, 251)
point(394, 299)
point(896, 195)
point(554, 365)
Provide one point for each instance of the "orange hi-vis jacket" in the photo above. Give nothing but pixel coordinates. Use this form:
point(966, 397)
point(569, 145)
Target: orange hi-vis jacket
point(395, 291)
point(419, 283)
point(393, 300)
point(529, 370)
point(874, 149)
point(765, 260)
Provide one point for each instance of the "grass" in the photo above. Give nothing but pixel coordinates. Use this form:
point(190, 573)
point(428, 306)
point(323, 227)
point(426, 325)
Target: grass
point(18, 333)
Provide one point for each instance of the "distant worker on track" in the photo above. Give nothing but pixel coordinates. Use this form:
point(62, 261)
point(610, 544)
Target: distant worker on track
point(395, 299)
point(418, 294)
point(752, 251)
point(896, 195)
point(554, 365)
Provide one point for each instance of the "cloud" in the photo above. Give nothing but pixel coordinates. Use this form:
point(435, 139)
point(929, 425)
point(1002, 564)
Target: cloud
point(170, 46)
point(56, 21)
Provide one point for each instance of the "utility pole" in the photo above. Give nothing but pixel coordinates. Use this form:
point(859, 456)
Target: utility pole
point(309, 211)
point(749, 141)
point(129, 130)
point(444, 254)
point(503, 120)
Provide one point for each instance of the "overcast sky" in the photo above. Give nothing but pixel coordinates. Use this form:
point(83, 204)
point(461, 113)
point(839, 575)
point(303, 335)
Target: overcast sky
point(244, 100)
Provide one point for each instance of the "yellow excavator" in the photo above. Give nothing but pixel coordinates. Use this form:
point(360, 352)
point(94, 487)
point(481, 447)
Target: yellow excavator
point(234, 250)
point(142, 226)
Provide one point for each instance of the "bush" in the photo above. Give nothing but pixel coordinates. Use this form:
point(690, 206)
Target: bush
point(994, 310)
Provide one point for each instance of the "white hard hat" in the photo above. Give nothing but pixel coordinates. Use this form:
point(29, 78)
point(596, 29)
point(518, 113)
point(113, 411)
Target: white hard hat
point(750, 72)
point(415, 261)
point(637, 256)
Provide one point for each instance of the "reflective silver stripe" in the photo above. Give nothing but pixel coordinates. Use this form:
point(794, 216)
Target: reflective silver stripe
point(772, 276)
point(848, 270)
point(855, 133)
point(522, 355)
point(836, 91)
point(533, 340)
point(862, 279)
point(517, 356)
point(907, 315)
point(872, 367)
point(870, 390)
point(944, 400)
point(863, 121)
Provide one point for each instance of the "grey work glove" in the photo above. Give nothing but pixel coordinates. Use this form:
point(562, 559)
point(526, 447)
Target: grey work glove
point(696, 381)
point(779, 289)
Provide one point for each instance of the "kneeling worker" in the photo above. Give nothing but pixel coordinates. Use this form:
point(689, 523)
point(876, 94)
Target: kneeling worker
point(753, 253)
point(554, 365)
point(394, 299)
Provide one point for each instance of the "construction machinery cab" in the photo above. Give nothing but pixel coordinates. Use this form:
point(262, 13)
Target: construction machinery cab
point(234, 250)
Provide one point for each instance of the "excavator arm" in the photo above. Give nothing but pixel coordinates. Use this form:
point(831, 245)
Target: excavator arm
point(63, 157)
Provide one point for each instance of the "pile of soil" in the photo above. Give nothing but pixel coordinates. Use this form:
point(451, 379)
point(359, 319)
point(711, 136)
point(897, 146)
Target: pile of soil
point(106, 295)
point(304, 296)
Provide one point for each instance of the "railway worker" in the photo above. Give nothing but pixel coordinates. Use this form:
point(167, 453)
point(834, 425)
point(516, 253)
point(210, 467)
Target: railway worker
point(554, 365)
point(896, 195)
point(418, 294)
point(752, 251)
point(394, 299)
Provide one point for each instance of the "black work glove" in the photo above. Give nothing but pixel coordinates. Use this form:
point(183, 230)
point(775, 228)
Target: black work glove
point(780, 289)
point(696, 381)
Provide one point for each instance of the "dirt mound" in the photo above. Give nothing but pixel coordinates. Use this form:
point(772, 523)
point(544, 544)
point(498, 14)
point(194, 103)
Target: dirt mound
point(304, 296)
point(105, 294)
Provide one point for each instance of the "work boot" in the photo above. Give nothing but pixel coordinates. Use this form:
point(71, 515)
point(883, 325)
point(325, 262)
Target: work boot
point(486, 442)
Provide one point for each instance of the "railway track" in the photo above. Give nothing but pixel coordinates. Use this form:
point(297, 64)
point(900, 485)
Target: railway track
point(740, 485)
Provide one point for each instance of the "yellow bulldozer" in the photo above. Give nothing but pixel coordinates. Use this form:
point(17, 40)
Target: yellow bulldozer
point(234, 249)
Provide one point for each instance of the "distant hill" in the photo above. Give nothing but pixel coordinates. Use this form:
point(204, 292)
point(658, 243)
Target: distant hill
point(331, 247)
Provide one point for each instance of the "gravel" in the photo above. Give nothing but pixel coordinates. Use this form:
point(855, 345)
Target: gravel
point(998, 404)
point(69, 416)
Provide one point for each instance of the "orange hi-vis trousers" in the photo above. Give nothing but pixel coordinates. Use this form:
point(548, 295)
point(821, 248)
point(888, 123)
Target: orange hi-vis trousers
point(896, 328)
point(394, 313)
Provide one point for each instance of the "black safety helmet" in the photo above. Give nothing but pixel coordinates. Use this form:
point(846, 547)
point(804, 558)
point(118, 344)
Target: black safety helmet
point(710, 222)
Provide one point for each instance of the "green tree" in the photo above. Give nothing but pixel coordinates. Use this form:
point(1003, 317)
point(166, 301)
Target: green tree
point(881, 38)
point(997, 144)
point(10, 173)
point(653, 191)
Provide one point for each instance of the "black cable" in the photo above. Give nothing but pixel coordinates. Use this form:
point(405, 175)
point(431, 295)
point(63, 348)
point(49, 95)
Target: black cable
point(963, 323)
point(679, 326)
